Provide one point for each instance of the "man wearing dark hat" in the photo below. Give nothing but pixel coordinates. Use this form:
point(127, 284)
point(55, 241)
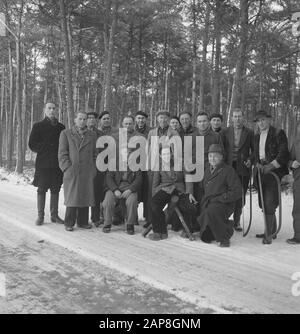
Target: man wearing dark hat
point(210, 137)
point(141, 126)
point(238, 143)
point(222, 188)
point(44, 140)
point(216, 122)
point(185, 119)
point(271, 154)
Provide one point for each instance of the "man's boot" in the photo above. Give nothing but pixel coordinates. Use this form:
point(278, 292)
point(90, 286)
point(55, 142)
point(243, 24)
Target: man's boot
point(270, 222)
point(41, 199)
point(54, 209)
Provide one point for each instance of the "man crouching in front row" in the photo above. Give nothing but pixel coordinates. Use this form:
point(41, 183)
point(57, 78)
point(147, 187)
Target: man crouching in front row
point(222, 188)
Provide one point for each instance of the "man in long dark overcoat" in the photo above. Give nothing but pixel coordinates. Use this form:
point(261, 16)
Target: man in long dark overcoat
point(222, 188)
point(77, 157)
point(43, 140)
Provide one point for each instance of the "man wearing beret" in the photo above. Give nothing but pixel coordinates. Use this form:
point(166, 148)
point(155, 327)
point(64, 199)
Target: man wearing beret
point(271, 154)
point(222, 188)
point(141, 126)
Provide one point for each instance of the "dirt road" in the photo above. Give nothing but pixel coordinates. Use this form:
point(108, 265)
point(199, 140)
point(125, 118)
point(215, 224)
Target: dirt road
point(246, 278)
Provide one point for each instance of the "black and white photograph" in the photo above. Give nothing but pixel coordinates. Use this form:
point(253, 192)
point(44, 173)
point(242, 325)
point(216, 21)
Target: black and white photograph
point(149, 159)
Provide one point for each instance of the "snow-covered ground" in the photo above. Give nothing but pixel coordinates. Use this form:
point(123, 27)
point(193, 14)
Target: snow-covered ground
point(247, 277)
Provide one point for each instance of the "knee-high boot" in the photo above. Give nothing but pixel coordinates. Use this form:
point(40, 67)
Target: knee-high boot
point(54, 209)
point(41, 199)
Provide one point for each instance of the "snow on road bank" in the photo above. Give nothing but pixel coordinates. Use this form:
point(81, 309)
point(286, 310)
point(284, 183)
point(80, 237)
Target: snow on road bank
point(248, 277)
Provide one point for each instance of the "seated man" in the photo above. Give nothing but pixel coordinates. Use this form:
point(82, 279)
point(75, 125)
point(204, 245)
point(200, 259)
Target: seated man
point(222, 188)
point(165, 185)
point(122, 187)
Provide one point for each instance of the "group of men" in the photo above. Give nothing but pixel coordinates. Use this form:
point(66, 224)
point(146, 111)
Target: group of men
point(68, 157)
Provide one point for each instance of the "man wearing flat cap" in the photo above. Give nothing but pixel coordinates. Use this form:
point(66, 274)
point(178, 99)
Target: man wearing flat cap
point(222, 188)
point(141, 126)
point(271, 154)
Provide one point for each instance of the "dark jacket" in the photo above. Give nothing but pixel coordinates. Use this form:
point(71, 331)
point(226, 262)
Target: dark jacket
point(168, 181)
point(113, 180)
point(276, 148)
point(223, 185)
point(295, 155)
point(44, 140)
point(245, 150)
point(144, 131)
point(210, 138)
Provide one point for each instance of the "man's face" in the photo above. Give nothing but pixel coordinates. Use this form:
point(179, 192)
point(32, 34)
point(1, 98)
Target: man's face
point(263, 123)
point(80, 120)
point(237, 119)
point(91, 121)
point(50, 110)
point(128, 124)
point(174, 124)
point(185, 120)
point(163, 121)
point(215, 159)
point(202, 122)
point(216, 123)
point(105, 121)
point(140, 121)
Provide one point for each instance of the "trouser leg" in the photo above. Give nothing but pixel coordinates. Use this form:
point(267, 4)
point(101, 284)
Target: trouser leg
point(70, 216)
point(82, 216)
point(54, 200)
point(109, 204)
point(131, 208)
point(41, 200)
point(158, 202)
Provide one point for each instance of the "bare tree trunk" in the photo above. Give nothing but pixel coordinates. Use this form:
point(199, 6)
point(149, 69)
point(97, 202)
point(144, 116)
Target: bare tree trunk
point(2, 112)
point(204, 61)
point(194, 94)
point(216, 72)
point(107, 95)
point(237, 92)
point(19, 164)
point(10, 141)
point(68, 65)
